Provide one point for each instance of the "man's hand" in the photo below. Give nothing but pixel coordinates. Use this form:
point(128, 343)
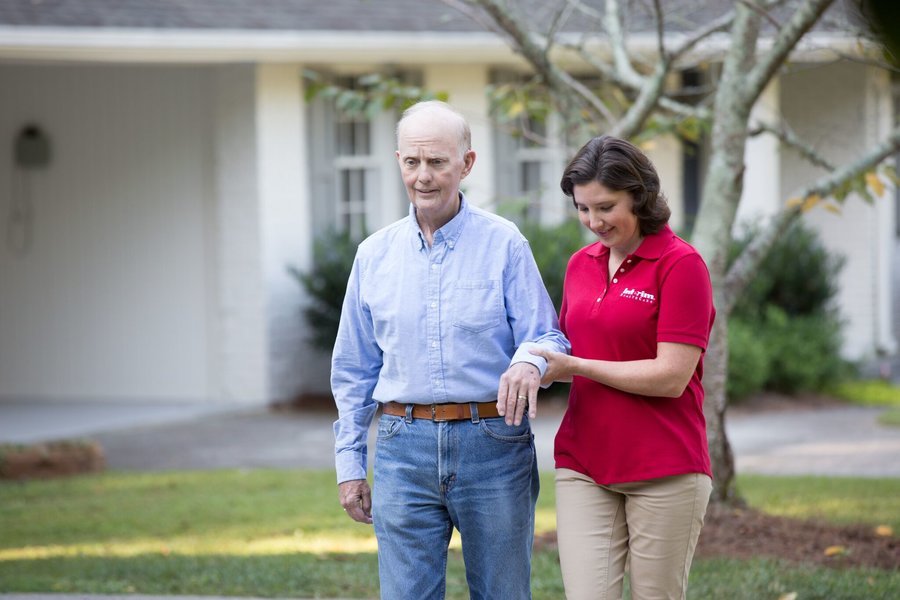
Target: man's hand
point(518, 389)
point(356, 498)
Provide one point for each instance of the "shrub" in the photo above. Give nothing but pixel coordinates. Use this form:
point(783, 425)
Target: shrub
point(552, 247)
point(786, 311)
point(798, 275)
point(326, 284)
point(749, 360)
point(804, 351)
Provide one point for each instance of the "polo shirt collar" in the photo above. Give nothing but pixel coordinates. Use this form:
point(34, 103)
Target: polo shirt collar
point(651, 247)
point(449, 233)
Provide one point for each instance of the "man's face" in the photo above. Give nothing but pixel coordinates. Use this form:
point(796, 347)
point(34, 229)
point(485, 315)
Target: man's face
point(432, 166)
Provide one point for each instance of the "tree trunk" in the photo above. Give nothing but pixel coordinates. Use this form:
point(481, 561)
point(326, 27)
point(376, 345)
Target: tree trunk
point(715, 375)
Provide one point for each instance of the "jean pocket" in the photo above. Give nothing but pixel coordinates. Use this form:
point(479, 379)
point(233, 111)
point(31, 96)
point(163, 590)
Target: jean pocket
point(389, 426)
point(476, 304)
point(497, 429)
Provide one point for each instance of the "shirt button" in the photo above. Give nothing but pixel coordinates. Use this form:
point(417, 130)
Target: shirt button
point(434, 344)
point(629, 261)
point(433, 266)
point(436, 382)
point(621, 270)
point(615, 281)
point(434, 305)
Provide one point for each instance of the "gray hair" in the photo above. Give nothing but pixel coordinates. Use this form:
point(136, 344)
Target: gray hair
point(444, 109)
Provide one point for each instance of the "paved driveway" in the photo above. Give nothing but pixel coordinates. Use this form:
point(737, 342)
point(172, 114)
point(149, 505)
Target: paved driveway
point(825, 441)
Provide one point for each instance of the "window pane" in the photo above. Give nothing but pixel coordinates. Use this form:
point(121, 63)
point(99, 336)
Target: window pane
point(353, 138)
point(530, 187)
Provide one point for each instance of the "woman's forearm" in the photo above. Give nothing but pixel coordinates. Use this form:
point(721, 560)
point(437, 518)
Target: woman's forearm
point(667, 375)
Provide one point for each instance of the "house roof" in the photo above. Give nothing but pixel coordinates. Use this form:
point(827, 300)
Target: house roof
point(295, 30)
point(292, 15)
point(318, 15)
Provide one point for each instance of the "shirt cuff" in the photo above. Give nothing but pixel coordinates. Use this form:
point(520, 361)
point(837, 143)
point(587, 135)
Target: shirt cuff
point(350, 465)
point(523, 355)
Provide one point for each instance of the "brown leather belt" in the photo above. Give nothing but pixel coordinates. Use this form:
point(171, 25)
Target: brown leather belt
point(442, 412)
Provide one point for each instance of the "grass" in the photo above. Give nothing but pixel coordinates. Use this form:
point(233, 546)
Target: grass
point(872, 392)
point(868, 392)
point(282, 533)
point(842, 500)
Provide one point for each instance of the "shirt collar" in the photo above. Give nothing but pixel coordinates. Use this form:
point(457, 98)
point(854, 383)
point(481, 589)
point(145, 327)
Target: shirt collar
point(651, 247)
point(449, 233)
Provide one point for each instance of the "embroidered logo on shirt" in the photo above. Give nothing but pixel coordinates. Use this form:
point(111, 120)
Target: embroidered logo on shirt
point(638, 295)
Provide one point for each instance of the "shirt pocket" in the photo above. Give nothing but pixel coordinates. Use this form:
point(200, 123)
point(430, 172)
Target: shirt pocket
point(477, 305)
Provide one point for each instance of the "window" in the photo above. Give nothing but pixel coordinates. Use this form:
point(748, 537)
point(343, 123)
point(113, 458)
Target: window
point(355, 182)
point(529, 159)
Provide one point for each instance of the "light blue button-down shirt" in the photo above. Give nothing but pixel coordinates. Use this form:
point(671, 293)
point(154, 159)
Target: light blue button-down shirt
point(433, 325)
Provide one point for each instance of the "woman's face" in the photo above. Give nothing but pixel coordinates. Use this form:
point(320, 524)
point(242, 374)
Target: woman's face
point(609, 215)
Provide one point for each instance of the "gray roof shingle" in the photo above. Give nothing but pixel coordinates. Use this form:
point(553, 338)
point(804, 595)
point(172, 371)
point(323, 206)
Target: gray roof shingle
point(332, 15)
point(293, 15)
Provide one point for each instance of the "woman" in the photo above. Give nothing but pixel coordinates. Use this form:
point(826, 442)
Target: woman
point(633, 475)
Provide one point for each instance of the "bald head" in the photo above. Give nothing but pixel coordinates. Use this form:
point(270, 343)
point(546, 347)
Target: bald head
point(434, 112)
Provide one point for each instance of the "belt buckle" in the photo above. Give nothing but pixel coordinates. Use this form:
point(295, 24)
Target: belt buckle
point(434, 414)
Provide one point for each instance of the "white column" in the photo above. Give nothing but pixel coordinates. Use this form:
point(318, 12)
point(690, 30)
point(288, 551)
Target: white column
point(667, 155)
point(468, 84)
point(285, 226)
point(879, 120)
point(240, 351)
point(762, 178)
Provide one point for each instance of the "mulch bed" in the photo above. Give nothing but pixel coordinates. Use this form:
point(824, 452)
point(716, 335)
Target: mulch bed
point(50, 459)
point(745, 533)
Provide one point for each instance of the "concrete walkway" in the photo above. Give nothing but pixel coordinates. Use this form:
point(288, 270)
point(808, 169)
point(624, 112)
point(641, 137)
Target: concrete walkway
point(835, 440)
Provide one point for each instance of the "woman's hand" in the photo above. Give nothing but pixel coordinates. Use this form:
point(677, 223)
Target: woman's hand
point(560, 367)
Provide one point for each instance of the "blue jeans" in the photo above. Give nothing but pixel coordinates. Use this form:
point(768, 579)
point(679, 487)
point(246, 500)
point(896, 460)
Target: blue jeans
point(477, 475)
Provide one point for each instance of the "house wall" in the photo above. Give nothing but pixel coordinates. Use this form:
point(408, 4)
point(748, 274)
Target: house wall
point(843, 109)
point(465, 85)
point(762, 195)
point(286, 230)
point(110, 300)
point(240, 353)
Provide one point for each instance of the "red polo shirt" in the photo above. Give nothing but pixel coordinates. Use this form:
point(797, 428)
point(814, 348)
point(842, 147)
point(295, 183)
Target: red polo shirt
point(662, 293)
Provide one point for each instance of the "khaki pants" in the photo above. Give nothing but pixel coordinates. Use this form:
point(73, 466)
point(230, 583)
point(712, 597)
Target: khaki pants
point(656, 522)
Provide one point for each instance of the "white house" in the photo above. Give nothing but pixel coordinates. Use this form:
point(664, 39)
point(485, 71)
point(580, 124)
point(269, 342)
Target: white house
point(161, 169)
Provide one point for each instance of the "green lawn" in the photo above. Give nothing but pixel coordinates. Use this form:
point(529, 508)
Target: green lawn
point(282, 533)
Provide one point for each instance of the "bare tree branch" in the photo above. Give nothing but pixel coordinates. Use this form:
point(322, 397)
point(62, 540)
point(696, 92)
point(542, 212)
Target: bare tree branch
point(559, 21)
point(762, 11)
point(584, 8)
point(648, 98)
point(748, 262)
point(477, 16)
point(715, 26)
point(615, 27)
point(560, 82)
point(660, 31)
point(789, 138)
point(665, 102)
point(864, 60)
point(789, 34)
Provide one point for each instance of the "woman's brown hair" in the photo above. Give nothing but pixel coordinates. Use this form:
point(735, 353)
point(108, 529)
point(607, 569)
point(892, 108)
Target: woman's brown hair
point(620, 166)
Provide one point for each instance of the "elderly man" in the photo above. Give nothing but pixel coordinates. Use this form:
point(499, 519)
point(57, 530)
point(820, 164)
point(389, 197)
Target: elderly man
point(440, 311)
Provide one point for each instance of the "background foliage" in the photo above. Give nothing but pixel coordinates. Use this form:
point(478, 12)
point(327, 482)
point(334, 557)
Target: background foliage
point(326, 284)
point(785, 334)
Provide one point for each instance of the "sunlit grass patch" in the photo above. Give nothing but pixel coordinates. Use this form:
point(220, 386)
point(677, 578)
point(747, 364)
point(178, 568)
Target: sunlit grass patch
point(837, 499)
point(868, 392)
point(890, 417)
